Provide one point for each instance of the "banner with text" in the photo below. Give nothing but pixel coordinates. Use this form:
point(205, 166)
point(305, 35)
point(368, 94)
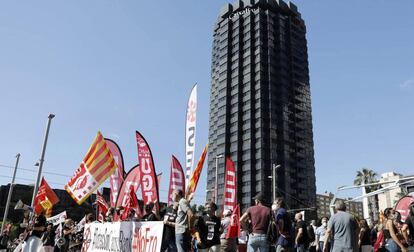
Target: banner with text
point(123, 236)
point(57, 219)
point(149, 181)
point(190, 132)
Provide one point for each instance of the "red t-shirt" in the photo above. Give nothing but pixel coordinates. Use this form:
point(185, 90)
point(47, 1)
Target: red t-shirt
point(260, 217)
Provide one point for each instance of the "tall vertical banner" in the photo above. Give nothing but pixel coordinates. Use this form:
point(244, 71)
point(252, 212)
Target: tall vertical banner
point(132, 181)
point(190, 132)
point(149, 181)
point(230, 199)
point(230, 186)
point(177, 180)
point(95, 168)
point(192, 184)
point(117, 177)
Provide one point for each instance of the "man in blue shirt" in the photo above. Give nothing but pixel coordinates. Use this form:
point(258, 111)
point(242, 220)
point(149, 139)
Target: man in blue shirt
point(284, 225)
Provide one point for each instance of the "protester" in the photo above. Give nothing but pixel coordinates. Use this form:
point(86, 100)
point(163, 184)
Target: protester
point(168, 237)
point(284, 225)
point(393, 244)
point(364, 241)
point(320, 235)
point(68, 232)
point(343, 228)
point(311, 236)
point(183, 222)
point(374, 233)
point(227, 244)
point(259, 216)
point(207, 230)
point(408, 227)
point(33, 242)
point(149, 214)
point(301, 234)
point(48, 238)
point(4, 240)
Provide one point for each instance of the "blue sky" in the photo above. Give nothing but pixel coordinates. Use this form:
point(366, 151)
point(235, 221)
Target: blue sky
point(120, 66)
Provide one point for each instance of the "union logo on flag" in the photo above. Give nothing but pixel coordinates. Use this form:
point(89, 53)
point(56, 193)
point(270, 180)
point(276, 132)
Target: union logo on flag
point(97, 166)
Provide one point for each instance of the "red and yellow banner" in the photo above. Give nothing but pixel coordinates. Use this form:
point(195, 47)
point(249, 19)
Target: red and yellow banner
point(95, 168)
point(192, 184)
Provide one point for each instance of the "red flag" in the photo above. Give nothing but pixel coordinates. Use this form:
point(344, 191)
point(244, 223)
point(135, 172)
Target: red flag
point(192, 184)
point(149, 183)
point(131, 203)
point(230, 186)
point(102, 206)
point(176, 178)
point(233, 230)
point(117, 177)
point(45, 198)
point(132, 180)
point(95, 168)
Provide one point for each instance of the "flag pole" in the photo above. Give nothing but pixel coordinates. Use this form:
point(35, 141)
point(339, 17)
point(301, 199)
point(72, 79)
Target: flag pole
point(39, 172)
point(6, 211)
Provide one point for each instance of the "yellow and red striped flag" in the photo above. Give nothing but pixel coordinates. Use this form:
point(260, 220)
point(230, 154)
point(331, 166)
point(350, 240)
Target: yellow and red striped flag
point(95, 168)
point(192, 183)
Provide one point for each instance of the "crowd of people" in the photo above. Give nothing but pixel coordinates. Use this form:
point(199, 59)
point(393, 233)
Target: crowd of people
point(206, 231)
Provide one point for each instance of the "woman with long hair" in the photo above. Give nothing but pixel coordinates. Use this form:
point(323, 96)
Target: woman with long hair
point(392, 244)
point(364, 241)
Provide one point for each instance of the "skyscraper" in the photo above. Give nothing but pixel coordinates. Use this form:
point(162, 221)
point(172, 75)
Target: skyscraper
point(260, 108)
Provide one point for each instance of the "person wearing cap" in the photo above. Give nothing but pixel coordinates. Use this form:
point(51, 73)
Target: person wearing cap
point(259, 216)
point(227, 244)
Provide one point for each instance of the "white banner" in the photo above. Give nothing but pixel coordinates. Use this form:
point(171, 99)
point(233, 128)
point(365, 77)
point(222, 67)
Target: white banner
point(190, 133)
point(57, 219)
point(123, 236)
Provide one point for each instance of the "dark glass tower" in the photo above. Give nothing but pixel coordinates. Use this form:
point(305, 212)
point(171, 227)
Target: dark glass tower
point(260, 107)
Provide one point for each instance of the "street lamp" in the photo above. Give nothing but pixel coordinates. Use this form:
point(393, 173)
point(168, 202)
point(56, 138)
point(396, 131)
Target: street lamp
point(42, 157)
point(273, 177)
point(216, 179)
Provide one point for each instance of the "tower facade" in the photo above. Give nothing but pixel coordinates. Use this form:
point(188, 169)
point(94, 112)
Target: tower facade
point(260, 107)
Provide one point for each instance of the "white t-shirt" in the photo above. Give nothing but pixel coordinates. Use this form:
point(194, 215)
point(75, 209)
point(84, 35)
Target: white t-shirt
point(33, 244)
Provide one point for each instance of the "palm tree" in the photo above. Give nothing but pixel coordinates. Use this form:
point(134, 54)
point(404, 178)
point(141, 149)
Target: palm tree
point(366, 176)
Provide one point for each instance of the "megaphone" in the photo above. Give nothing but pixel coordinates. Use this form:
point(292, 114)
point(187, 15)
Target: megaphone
point(21, 205)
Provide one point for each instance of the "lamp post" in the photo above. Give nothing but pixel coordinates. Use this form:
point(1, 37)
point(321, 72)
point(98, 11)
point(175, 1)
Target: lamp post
point(216, 179)
point(42, 156)
point(6, 210)
point(273, 177)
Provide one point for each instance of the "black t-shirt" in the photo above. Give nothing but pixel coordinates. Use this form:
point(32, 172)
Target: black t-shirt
point(169, 231)
point(304, 237)
point(209, 230)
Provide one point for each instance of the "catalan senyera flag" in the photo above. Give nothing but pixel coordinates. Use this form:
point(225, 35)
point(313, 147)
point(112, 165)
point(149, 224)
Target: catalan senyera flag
point(192, 183)
point(45, 198)
point(95, 168)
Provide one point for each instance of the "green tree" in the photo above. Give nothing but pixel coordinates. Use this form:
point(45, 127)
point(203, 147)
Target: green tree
point(366, 176)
